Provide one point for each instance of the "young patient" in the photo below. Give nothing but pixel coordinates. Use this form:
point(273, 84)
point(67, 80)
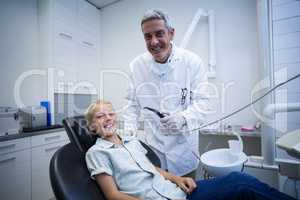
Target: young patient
point(122, 170)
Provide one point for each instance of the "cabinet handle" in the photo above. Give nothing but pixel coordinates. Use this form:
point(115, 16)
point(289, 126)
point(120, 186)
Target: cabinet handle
point(66, 35)
point(7, 146)
point(7, 160)
point(52, 148)
point(52, 138)
point(88, 43)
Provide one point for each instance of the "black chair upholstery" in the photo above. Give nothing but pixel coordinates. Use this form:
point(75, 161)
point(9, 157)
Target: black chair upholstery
point(70, 179)
point(78, 133)
point(69, 176)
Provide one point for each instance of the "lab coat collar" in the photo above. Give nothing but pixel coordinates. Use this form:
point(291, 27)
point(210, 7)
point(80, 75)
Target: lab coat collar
point(161, 69)
point(107, 144)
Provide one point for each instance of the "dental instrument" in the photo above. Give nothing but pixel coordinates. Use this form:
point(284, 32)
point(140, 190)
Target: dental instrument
point(159, 114)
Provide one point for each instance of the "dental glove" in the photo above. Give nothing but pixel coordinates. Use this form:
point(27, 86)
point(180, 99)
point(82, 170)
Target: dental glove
point(174, 123)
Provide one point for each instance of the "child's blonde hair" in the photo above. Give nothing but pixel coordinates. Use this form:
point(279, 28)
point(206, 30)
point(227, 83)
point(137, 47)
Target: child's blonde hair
point(90, 111)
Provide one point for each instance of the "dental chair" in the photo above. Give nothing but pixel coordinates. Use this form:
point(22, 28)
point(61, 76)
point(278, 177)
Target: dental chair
point(69, 176)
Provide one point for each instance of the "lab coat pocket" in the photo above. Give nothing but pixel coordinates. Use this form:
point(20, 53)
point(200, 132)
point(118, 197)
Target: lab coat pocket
point(171, 101)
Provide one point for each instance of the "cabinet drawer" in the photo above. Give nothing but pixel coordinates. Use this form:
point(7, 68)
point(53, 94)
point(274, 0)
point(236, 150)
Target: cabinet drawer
point(63, 31)
point(14, 145)
point(64, 47)
point(15, 176)
point(87, 40)
point(48, 138)
point(41, 156)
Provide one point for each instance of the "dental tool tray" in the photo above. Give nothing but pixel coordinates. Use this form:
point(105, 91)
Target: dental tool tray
point(290, 142)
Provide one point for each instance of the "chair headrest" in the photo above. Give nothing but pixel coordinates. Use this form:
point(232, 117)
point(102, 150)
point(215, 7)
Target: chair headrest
point(78, 132)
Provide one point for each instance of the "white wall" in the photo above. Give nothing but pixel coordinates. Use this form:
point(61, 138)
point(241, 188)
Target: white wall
point(19, 51)
point(121, 41)
point(237, 45)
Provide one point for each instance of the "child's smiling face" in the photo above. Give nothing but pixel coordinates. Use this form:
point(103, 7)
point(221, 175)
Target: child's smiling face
point(104, 122)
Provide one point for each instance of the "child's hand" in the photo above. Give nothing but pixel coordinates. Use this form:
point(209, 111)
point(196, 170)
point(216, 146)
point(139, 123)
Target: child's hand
point(187, 184)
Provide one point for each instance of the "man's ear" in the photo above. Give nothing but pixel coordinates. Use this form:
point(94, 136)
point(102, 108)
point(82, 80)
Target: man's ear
point(172, 33)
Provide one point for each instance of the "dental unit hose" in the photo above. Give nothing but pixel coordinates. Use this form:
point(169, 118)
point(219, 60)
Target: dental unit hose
point(244, 107)
point(248, 105)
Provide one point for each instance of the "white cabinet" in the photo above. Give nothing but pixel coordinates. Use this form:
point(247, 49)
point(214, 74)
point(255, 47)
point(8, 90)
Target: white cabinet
point(69, 32)
point(49, 138)
point(64, 46)
point(43, 148)
point(14, 145)
point(88, 51)
point(24, 166)
point(64, 10)
point(15, 171)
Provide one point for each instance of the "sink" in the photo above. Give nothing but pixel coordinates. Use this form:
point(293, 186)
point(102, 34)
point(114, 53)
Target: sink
point(219, 162)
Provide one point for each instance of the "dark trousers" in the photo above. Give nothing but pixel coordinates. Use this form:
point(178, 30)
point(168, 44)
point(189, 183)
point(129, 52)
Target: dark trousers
point(235, 186)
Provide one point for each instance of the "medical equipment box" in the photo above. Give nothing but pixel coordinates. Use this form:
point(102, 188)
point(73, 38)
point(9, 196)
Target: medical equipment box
point(9, 121)
point(33, 116)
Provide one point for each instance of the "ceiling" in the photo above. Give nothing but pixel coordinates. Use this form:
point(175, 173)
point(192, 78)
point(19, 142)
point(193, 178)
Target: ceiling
point(102, 3)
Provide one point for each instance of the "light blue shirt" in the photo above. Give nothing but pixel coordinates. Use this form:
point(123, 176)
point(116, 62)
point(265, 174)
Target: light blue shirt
point(133, 173)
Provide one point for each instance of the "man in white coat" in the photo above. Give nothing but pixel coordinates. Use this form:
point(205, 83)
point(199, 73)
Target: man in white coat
point(173, 81)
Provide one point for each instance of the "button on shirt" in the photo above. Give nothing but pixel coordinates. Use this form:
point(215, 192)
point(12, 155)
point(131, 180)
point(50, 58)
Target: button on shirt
point(133, 173)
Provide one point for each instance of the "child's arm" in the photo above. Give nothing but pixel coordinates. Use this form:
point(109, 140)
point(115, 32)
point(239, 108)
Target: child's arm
point(187, 184)
point(109, 188)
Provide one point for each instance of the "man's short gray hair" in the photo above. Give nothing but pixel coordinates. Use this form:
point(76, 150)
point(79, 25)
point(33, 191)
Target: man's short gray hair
point(157, 14)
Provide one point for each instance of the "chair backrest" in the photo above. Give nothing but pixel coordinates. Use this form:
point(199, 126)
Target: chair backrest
point(78, 132)
point(70, 178)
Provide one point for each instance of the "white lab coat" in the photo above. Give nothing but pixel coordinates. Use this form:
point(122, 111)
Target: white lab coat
point(159, 86)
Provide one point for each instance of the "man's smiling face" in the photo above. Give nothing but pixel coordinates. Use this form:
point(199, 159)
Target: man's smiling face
point(158, 39)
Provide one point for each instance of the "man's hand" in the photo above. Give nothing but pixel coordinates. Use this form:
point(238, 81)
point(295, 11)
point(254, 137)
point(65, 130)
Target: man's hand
point(173, 122)
point(187, 184)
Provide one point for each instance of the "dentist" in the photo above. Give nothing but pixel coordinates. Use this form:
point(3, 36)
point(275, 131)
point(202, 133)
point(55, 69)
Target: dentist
point(171, 80)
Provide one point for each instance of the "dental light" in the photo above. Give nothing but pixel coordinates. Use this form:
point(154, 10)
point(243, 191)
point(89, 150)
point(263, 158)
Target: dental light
point(210, 15)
